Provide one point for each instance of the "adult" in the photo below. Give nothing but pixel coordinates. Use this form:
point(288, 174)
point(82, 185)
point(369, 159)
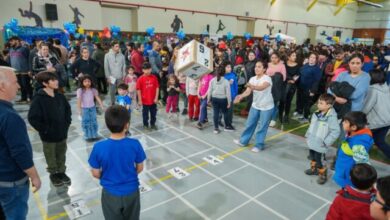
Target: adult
point(292, 76)
point(88, 44)
point(337, 66)
point(114, 68)
point(250, 72)
point(376, 106)
point(275, 68)
point(155, 58)
point(261, 110)
point(85, 65)
point(18, 58)
point(380, 206)
point(137, 58)
point(98, 56)
point(128, 52)
point(16, 161)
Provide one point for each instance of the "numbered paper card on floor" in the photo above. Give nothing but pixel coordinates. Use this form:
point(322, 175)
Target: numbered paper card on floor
point(144, 188)
point(213, 160)
point(178, 173)
point(77, 209)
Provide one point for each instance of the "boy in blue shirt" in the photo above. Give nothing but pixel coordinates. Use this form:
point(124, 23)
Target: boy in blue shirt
point(354, 149)
point(123, 99)
point(116, 162)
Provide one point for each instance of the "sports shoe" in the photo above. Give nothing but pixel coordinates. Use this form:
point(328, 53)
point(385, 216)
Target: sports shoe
point(199, 125)
point(304, 120)
point(229, 128)
point(196, 119)
point(216, 131)
point(236, 141)
point(272, 123)
point(286, 119)
point(64, 178)
point(153, 127)
point(184, 111)
point(255, 149)
point(322, 176)
point(146, 128)
point(55, 180)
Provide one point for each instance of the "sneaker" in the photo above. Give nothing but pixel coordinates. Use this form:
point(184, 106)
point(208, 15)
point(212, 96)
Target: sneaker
point(184, 111)
point(153, 127)
point(199, 125)
point(272, 123)
point(304, 121)
point(255, 149)
point(295, 114)
point(236, 141)
point(146, 127)
point(205, 121)
point(55, 180)
point(229, 128)
point(64, 178)
point(286, 120)
point(311, 172)
point(216, 131)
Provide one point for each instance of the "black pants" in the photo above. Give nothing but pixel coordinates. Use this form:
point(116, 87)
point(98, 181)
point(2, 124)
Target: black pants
point(379, 136)
point(317, 157)
point(102, 84)
point(24, 81)
point(2, 216)
point(152, 110)
point(307, 102)
point(285, 105)
point(121, 207)
point(249, 101)
point(220, 106)
point(299, 101)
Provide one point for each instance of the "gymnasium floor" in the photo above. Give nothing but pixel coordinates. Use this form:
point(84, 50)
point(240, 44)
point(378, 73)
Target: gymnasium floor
point(267, 185)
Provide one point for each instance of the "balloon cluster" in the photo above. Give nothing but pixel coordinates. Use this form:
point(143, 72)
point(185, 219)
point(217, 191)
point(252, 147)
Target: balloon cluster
point(278, 38)
point(266, 37)
point(181, 35)
point(115, 30)
point(247, 35)
point(12, 25)
point(106, 33)
point(347, 40)
point(229, 35)
point(70, 27)
point(150, 31)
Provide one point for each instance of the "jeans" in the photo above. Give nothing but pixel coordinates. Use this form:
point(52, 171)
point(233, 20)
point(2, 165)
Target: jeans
point(275, 112)
point(193, 102)
point(379, 136)
point(219, 106)
point(24, 81)
point(14, 201)
point(172, 102)
point(152, 110)
point(203, 110)
point(256, 118)
point(89, 123)
point(55, 155)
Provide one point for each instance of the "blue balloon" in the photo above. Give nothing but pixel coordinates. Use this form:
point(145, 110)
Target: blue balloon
point(329, 38)
point(150, 31)
point(266, 37)
point(347, 40)
point(115, 30)
point(247, 35)
point(229, 35)
point(70, 27)
point(181, 35)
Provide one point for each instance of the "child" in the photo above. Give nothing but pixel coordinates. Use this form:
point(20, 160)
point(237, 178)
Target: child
point(147, 90)
point(86, 96)
point(203, 87)
point(124, 100)
point(353, 202)
point(219, 94)
point(232, 78)
point(354, 149)
point(164, 81)
point(50, 115)
point(173, 89)
point(380, 205)
point(116, 162)
point(131, 82)
point(322, 133)
point(193, 99)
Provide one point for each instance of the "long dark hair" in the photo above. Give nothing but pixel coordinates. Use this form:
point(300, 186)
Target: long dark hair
point(85, 77)
point(220, 72)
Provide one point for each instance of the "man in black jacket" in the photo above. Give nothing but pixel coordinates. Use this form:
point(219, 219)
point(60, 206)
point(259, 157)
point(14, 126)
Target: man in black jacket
point(50, 115)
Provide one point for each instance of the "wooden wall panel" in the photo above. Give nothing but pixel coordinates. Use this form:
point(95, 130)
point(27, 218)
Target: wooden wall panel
point(377, 34)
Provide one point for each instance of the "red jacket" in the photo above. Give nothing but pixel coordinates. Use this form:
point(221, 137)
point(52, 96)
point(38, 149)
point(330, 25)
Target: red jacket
point(350, 204)
point(137, 59)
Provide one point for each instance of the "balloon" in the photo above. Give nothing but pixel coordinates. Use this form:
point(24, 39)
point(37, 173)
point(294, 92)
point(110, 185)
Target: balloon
point(77, 35)
point(336, 39)
point(181, 35)
point(100, 34)
point(229, 35)
point(247, 35)
point(347, 40)
point(249, 42)
point(266, 37)
point(70, 27)
point(329, 38)
point(115, 30)
point(278, 38)
point(150, 31)
point(222, 45)
point(81, 30)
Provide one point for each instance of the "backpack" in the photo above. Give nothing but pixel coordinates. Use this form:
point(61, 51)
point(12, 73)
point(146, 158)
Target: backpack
point(241, 74)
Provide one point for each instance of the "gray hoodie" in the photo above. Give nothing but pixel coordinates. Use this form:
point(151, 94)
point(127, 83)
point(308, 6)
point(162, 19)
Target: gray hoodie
point(377, 106)
point(219, 89)
point(114, 65)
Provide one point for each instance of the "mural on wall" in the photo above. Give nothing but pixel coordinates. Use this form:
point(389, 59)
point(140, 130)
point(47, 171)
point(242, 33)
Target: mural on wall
point(76, 14)
point(221, 26)
point(270, 29)
point(176, 24)
point(30, 14)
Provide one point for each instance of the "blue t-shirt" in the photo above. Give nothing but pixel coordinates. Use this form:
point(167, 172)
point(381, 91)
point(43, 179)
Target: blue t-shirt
point(117, 160)
point(123, 100)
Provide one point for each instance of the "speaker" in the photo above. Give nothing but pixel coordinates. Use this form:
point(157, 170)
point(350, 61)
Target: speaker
point(338, 33)
point(51, 12)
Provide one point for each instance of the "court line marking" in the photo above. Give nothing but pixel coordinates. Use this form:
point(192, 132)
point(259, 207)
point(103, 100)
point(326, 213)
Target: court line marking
point(316, 211)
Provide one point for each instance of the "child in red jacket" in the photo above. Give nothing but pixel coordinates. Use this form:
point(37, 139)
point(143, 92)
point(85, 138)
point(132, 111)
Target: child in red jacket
point(353, 202)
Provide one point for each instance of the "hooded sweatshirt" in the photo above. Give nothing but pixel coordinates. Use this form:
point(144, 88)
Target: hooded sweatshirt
point(50, 116)
point(377, 106)
point(353, 150)
point(114, 65)
point(219, 89)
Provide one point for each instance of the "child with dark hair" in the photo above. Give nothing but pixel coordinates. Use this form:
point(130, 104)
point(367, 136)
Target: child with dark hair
point(50, 114)
point(124, 99)
point(355, 148)
point(323, 131)
point(131, 82)
point(86, 95)
point(116, 162)
point(380, 205)
point(173, 89)
point(353, 202)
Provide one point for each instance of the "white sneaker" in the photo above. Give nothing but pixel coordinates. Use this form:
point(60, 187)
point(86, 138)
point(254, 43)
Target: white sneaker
point(236, 141)
point(216, 131)
point(255, 150)
point(295, 114)
point(272, 123)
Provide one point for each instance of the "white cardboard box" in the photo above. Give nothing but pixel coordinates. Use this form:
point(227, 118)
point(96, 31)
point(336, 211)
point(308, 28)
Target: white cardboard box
point(195, 60)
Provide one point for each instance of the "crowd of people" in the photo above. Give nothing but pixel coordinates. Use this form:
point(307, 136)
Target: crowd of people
point(349, 83)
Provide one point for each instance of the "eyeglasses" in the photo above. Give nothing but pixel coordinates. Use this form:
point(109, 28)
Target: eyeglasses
point(384, 206)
